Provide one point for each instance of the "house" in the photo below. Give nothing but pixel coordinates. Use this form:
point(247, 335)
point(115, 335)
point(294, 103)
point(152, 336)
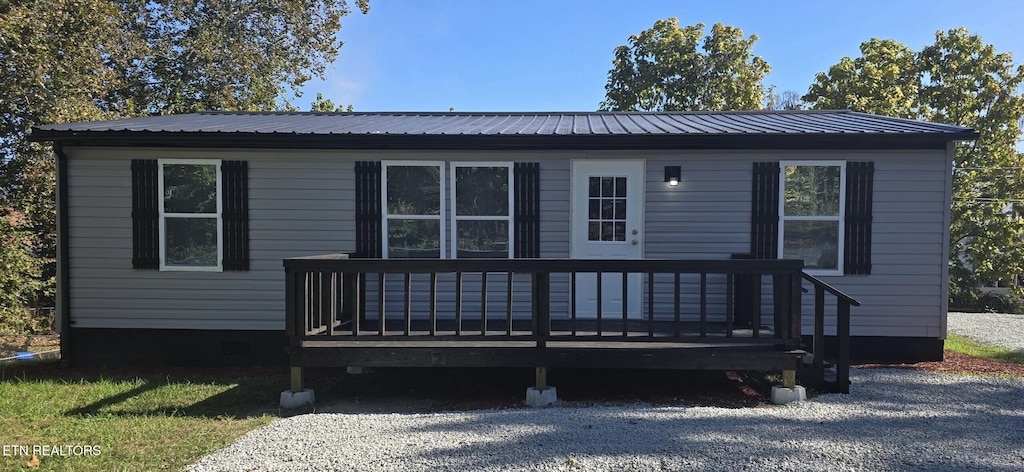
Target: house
point(173, 228)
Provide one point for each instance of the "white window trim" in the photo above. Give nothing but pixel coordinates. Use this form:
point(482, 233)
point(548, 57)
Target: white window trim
point(454, 240)
point(384, 202)
point(163, 215)
point(840, 249)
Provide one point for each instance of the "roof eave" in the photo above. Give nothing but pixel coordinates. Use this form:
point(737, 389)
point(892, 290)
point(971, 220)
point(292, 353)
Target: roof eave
point(503, 142)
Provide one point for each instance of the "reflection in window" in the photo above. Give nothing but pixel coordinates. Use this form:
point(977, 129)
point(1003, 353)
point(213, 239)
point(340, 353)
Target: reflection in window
point(482, 211)
point(413, 211)
point(190, 215)
point(811, 214)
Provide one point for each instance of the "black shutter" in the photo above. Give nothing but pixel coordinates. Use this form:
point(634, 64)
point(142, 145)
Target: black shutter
point(857, 237)
point(145, 215)
point(527, 211)
point(368, 210)
point(764, 215)
point(235, 217)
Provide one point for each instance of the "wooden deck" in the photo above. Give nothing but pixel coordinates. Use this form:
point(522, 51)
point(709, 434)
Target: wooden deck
point(330, 322)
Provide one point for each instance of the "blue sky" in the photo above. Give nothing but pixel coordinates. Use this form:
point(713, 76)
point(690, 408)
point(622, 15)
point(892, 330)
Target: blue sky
point(533, 55)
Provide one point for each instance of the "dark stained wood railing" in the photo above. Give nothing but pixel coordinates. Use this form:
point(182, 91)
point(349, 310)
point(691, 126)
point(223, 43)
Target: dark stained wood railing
point(842, 352)
point(326, 299)
point(394, 301)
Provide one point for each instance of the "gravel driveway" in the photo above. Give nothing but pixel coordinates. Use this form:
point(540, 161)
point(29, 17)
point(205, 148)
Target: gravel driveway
point(893, 420)
point(995, 329)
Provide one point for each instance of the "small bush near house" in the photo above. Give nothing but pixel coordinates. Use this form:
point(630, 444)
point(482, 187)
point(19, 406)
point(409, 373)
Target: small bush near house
point(1001, 303)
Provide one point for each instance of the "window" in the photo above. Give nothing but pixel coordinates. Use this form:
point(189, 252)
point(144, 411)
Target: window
point(606, 213)
point(401, 211)
point(190, 215)
point(811, 216)
point(413, 223)
point(482, 215)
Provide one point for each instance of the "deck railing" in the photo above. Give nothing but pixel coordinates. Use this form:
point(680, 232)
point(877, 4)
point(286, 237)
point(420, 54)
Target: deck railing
point(686, 300)
point(841, 354)
point(474, 301)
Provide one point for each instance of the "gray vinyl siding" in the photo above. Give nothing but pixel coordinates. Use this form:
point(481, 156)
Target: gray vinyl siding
point(708, 216)
point(301, 203)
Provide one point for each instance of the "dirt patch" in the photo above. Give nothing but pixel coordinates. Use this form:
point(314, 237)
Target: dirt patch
point(10, 344)
point(955, 362)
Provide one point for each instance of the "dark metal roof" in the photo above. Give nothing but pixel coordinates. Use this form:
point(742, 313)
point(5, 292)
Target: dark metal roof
point(589, 130)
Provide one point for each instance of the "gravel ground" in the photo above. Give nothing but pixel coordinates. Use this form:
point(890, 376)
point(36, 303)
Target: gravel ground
point(893, 420)
point(995, 329)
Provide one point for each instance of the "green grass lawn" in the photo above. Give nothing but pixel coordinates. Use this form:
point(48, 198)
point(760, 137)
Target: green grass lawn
point(139, 421)
point(973, 348)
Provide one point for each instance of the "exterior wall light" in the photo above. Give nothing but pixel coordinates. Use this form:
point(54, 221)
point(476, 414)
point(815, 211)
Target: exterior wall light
point(672, 174)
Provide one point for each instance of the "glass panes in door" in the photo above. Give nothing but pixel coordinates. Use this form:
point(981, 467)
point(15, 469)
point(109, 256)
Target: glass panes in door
point(606, 209)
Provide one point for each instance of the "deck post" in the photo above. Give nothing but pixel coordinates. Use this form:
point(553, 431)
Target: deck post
point(298, 395)
point(297, 380)
point(843, 333)
point(541, 394)
point(789, 378)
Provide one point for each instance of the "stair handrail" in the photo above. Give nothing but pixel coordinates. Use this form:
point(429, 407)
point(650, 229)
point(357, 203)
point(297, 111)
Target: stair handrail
point(843, 303)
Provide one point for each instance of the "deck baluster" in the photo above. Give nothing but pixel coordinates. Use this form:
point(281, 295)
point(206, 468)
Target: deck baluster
point(625, 304)
point(483, 303)
point(600, 297)
point(703, 304)
point(433, 303)
point(337, 298)
point(381, 306)
point(755, 293)
point(408, 303)
point(676, 305)
point(508, 305)
point(729, 280)
point(572, 302)
point(357, 306)
point(650, 304)
point(819, 328)
point(458, 303)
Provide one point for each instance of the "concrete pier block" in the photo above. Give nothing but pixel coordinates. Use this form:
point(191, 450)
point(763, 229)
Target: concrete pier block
point(782, 395)
point(544, 397)
point(290, 399)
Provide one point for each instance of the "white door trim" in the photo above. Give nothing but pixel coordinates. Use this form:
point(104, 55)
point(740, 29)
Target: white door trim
point(581, 248)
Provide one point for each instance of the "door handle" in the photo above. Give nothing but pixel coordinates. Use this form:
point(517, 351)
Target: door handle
point(634, 242)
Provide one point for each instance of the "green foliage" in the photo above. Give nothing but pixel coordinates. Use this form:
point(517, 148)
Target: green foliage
point(884, 80)
point(20, 279)
point(962, 81)
point(1002, 303)
point(79, 60)
point(662, 69)
point(325, 105)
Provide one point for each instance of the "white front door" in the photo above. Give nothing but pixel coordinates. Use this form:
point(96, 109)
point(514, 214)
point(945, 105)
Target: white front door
point(607, 223)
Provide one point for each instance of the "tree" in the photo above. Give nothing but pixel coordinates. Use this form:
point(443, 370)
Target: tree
point(885, 80)
point(325, 105)
point(789, 100)
point(958, 80)
point(662, 69)
point(79, 60)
